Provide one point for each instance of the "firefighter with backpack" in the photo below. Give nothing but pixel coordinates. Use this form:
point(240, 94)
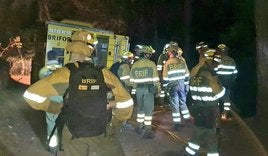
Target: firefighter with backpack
point(145, 79)
point(84, 113)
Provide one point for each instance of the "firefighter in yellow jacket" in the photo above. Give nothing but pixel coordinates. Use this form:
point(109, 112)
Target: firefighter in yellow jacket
point(144, 76)
point(227, 72)
point(124, 69)
point(206, 90)
point(38, 97)
point(176, 83)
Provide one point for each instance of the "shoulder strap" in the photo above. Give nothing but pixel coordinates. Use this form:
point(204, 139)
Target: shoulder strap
point(71, 66)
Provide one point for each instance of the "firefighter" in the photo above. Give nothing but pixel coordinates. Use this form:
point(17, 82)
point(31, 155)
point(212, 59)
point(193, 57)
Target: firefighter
point(124, 69)
point(176, 84)
point(144, 78)
point(52, 65)
point(187, 75)
point(227, 72)
point(160, 63)
point(206, 90)
point(137, 54)
point(162, 60)
point(38, 97)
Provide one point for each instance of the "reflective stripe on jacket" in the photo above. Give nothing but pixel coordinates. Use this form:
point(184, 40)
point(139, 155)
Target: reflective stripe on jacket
point(144, 72)
point(205, 86)
point(175, 69)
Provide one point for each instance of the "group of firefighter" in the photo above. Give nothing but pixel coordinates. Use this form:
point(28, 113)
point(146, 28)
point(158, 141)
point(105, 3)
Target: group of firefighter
point(209, 82)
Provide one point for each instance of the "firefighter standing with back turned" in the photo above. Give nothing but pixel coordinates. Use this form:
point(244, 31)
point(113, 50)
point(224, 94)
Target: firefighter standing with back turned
point(37, 96)
point(176, 83)
point(205, 90)
point(227, 72)
point(124, 69)
point(144, 77)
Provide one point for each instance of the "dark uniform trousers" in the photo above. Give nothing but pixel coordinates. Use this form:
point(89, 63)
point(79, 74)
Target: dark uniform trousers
point(145, 99)
point(100, 145)
point(206, 115)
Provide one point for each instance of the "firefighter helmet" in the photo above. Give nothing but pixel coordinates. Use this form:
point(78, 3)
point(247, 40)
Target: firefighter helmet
point(137, 49)
point(173, 46)
point(82, 42)
point(165, 48)
point(222, 49)
point(172, 49)
point(127, 55)
point(222, 46)
point(147, 49)
point(201, 45)
point(211, 54)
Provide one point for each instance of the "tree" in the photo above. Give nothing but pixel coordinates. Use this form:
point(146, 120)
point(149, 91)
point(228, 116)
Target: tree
point(261, 21)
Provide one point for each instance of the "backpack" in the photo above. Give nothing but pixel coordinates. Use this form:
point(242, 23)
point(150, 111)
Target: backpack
point(85, 101)
point(114, 68)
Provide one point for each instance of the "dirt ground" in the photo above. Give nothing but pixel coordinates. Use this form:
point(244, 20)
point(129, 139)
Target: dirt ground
point(23, 130)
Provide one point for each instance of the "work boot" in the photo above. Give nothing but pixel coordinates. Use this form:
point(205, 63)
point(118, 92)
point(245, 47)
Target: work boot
point(177, 127)
point(139, 129)
point(148, 134)
point(126, 126)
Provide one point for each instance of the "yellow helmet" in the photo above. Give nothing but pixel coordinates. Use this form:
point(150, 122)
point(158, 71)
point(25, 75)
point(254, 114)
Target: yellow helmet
point(221, 46)
point(82, 42)
point(209, 54)
point(147, 49)
point(222, 49)
point(127, 55)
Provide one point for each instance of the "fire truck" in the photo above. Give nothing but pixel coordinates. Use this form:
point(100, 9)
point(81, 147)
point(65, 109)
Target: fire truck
point(108, 50)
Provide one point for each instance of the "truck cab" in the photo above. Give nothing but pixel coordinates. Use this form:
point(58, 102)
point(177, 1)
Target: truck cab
point(108, 50)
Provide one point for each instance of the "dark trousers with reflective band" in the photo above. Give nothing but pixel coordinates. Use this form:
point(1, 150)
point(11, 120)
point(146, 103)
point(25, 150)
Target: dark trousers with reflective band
point(145, 101)
point(91, 146)
point(205, 115)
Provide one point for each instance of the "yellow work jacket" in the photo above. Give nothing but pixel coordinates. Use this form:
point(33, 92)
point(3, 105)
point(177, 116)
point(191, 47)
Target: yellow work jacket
point(175, 69)
point(144, 72)
point(38, 94)
point(123, 73)
point(205, 85)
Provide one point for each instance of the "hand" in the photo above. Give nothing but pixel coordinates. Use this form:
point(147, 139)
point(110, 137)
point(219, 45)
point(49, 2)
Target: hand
point(111, 104)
